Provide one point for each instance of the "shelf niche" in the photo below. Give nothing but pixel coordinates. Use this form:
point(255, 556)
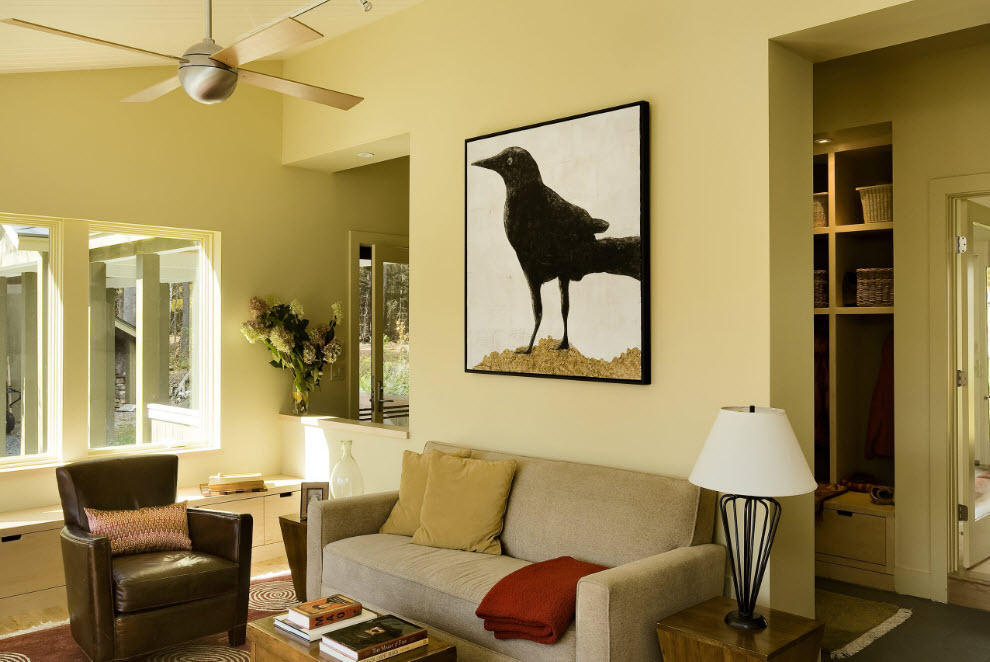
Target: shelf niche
point(852, 158)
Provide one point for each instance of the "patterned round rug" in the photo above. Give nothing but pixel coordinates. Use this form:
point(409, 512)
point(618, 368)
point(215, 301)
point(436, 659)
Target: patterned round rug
point(14, 657)
point(200, 653)
point(275, 595)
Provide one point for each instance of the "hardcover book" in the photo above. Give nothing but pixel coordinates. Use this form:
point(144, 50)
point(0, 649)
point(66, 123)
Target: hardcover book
point(337, 655)
point(283, 623)
point(377, 636)
point(317, 613)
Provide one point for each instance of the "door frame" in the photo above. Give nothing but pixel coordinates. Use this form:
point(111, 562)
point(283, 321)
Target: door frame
point(356, 239)
point(945, 194)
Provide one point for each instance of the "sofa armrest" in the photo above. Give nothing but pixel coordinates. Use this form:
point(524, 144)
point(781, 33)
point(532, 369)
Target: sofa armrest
point(336, 519)
point(89, 591)
point(618, 608)
point(227, 535)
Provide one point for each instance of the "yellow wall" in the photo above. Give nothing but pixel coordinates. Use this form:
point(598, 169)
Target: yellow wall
point(71, 149)
point(933, 94)
point(446, 70)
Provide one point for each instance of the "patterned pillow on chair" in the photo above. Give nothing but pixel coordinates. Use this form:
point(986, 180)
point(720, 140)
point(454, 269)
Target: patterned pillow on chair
point(151, 529)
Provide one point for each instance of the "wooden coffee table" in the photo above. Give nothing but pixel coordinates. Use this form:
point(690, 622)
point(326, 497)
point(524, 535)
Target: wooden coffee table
point(269, 644)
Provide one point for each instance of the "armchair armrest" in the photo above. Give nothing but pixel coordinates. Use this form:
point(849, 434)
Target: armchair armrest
point(89, 591)
point(227, 535)
point(336, 519)
point(618, 608)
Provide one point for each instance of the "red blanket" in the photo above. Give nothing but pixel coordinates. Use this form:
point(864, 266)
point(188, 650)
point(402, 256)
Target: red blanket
point(536, 602)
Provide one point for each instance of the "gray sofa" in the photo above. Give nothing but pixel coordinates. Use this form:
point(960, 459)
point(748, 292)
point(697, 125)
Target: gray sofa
point(654, 534)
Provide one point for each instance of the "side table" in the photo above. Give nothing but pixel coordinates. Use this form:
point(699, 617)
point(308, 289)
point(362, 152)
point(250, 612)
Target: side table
point(294, 538)
point(698, 634)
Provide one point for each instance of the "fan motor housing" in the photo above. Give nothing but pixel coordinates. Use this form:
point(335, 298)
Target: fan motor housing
point(204, 79)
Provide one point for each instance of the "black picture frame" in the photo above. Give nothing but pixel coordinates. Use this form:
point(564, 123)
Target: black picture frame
point(644, 227)
point(306, 493)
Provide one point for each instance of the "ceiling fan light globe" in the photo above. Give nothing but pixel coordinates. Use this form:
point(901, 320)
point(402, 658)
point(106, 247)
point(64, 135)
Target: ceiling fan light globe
point(204, 79)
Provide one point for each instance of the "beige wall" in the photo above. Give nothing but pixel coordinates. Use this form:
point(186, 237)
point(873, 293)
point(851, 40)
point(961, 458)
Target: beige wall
point(446, 70)
point(71, 149)
point(933, 93)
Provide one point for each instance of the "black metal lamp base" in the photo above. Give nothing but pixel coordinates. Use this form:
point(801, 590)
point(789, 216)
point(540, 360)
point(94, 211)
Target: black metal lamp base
point(748, 544)
point(744, 622)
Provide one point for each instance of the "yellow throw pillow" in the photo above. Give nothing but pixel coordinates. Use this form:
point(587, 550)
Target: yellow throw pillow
point(404, 519)
point(464, 504)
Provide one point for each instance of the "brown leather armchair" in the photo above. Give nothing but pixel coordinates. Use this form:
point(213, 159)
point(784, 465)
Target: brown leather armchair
point(124, 606)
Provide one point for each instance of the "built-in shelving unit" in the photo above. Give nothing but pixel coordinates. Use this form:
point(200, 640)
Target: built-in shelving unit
point(855, 337)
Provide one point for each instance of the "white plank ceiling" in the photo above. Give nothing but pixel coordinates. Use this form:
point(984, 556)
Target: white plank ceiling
point(164, 26)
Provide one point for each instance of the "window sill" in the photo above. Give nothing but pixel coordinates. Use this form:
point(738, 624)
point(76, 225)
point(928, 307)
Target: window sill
point(145, 450)
point(51, 463)
point(349, 424)
point(40, 465)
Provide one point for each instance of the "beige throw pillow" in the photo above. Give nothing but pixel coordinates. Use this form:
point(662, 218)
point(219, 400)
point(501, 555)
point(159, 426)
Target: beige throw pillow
point(464, 504)
point(404, 519)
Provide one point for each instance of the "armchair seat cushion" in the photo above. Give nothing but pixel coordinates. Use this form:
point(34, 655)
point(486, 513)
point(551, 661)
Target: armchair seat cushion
point(160, 579)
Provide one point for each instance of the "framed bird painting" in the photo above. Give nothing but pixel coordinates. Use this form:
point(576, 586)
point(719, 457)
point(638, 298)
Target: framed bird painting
point(557, 219)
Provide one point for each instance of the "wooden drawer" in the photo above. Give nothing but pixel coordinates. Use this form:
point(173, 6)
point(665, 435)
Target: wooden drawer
point(276, 505)
point(254, 507)
point(852, 536)
point(31, 562)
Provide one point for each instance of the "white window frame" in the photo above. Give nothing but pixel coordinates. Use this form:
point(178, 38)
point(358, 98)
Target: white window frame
point(207, 350)
point(53, 338)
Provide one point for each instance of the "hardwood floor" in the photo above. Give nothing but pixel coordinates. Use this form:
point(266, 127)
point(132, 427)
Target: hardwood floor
point(33, 609)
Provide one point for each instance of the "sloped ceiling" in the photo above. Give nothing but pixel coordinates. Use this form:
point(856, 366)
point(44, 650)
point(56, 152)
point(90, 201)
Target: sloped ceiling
point(164, 26)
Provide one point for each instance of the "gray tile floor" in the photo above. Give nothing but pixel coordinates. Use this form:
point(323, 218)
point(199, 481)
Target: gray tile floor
point(935, 631)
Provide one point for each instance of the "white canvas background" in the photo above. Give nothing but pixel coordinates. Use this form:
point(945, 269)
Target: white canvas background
point(592, 162)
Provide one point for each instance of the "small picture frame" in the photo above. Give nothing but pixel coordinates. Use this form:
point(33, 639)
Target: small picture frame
point(311, 492)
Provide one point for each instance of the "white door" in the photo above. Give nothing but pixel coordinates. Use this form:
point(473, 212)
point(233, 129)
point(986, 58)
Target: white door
point(972, 389)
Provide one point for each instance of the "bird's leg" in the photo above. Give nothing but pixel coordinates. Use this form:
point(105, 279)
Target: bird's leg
point(534, 290)
point(565, 308)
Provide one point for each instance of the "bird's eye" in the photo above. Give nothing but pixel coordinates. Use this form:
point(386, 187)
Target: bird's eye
point(509, 161)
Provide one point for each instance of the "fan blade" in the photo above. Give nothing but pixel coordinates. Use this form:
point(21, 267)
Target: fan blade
point(301, 90)
point(93, 40)
point(268, 41)
point(155, 91)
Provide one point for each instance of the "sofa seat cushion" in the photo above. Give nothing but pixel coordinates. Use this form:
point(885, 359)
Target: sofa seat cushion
point(160, 579)
point(440, 588)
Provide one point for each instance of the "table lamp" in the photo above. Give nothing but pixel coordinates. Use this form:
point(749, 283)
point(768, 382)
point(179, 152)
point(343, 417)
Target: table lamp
point(751, 455)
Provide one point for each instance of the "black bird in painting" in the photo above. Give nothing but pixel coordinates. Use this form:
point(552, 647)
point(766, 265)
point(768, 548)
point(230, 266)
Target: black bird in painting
point(554, 238)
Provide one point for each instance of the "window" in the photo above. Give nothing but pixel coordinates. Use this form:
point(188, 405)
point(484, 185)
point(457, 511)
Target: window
point(383, 335)
point(149, 313)
point(24, 339)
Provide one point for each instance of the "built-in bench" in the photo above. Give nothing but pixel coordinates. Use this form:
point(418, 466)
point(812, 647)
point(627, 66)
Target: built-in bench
point(31, 575)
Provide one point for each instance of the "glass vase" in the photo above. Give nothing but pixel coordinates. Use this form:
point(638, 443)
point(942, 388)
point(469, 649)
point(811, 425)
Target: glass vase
point(346, 479)
point(300, 402)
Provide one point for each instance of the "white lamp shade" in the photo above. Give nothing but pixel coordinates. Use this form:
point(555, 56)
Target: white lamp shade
point(753, 454)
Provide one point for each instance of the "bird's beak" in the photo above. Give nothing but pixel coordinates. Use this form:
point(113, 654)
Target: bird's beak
point(485, 163)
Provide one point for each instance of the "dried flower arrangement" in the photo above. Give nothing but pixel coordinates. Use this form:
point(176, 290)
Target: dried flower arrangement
point(294, 346)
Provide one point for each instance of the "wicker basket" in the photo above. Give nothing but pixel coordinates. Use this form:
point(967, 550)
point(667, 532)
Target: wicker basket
point(878, 205)
point(875, 287)
point(821, 288)
point(819, 210)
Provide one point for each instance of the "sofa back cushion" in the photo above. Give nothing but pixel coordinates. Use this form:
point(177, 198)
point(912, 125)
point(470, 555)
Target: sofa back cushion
point(597, 514)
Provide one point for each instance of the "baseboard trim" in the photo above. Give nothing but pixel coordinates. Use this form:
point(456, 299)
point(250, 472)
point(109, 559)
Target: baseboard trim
point(918, 583)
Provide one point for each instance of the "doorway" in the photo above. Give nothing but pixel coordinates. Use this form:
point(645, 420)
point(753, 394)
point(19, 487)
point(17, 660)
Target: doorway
point(383, 334)
point(971, 287)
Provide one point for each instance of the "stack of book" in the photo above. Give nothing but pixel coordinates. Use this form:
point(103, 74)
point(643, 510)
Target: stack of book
point(348, 632)
point(378, 639)
point(233, 484)
point(311, 620)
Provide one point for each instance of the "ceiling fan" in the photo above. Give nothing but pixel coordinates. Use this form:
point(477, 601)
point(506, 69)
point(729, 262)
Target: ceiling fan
point(209, 73)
